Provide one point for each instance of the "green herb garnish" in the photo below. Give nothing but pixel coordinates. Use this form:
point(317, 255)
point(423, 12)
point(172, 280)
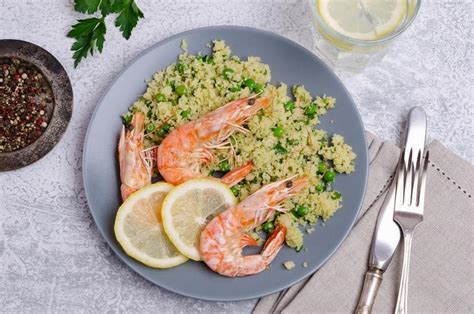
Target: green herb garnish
point(90, 33)
point(280, 149)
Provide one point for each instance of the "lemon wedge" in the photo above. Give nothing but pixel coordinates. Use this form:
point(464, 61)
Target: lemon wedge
point(363, 19)
point(188, 208)
point(139, 230)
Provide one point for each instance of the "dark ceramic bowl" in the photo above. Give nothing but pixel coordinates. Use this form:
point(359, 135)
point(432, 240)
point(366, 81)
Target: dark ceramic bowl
point(58, 79)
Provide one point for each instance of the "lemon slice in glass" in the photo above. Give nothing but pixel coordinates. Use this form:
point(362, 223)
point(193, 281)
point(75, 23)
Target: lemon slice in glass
point(363, 19)
point(139, 230)
point(189, 207)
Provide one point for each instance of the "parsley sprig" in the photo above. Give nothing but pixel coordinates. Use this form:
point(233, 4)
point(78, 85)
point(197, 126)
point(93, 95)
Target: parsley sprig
point(90, 33)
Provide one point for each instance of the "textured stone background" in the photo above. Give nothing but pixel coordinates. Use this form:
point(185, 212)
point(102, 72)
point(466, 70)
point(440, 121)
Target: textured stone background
point(52, 257)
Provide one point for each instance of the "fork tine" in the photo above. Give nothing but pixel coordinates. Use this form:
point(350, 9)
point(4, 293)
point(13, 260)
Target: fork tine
point(421, 197)
point(416, 179)
point(399, 187)
point(407, 199)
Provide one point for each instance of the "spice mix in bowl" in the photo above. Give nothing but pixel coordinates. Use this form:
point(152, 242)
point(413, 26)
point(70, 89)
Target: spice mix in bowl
point(35, 103)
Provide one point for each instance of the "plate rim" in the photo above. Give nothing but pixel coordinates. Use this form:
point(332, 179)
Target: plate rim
point(187, 33)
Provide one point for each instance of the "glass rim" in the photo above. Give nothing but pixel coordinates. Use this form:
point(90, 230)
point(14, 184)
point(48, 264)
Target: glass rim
point(362, 42)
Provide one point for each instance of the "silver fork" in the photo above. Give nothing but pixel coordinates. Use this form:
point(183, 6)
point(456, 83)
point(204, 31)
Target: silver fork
point(408, 213)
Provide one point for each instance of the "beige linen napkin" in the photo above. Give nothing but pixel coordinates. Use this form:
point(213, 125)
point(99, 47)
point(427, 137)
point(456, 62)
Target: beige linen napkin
point(441, 268)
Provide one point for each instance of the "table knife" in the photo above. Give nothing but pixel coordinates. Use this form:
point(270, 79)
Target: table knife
point(387, 233)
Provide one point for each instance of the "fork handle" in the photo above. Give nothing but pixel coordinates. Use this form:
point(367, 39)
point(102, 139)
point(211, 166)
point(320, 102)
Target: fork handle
point(372, 281)
point(402, 300)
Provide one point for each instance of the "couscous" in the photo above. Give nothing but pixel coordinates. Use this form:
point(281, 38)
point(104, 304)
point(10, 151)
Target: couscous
point(282, 140)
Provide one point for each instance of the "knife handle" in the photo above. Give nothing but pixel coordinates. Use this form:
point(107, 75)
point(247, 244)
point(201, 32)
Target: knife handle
point(372, 281)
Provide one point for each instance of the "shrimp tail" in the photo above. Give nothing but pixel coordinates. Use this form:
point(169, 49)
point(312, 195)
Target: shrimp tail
point(238, 174)
point(274, 243)
point(125, 191)
point(252, 264)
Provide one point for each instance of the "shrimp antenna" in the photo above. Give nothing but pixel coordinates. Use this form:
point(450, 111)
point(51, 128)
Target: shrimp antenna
point(219, 145)
point(232, 150)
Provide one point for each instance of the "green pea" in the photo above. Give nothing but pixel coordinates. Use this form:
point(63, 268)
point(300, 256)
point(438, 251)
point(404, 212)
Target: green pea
point(322, 167)
point(310, 111)
point(160, 97)
point(258, 88)
point(289, 105)
point(278, 131)
point(227, 73)
point(320, 187)
point(300, 211)
point(224, 166)
point(185, 113)
point(268, 226)
point(329, 176)
point(173, 85)
point(336, 195)
point(150, 127)
point(250, 84)
point(181, 90)
point(280, 149)
point(235, 89)
point(235, 190)
point(181, 67)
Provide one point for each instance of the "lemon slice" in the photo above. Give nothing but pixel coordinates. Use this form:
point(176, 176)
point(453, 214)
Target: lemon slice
point(363, 19)
point(189, 207)
point(139, 230)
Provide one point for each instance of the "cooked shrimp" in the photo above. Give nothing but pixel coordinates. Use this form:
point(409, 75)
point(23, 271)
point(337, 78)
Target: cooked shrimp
point(185, 150)
point(224, 237)
point(135, 163)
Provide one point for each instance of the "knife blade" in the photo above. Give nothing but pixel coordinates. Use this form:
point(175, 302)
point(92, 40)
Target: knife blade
point(387, 233)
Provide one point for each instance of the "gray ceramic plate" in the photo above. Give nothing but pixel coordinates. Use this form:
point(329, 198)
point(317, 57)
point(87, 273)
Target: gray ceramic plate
point(289, 62)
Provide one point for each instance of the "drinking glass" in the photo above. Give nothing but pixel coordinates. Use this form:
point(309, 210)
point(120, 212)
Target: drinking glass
point(350, 53)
